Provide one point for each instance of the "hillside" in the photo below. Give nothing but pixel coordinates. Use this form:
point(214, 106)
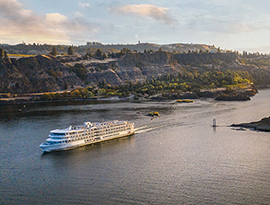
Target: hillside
point(47, 73)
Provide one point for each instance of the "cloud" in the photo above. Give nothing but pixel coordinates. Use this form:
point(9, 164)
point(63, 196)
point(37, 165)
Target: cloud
point(56, 18)
point(242, 27)
point(144, 10)
point(11, 8)
point(78, 14)
point(84, 5)
point(19, 24)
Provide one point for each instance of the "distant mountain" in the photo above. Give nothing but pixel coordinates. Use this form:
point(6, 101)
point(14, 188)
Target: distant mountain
point(141, 47)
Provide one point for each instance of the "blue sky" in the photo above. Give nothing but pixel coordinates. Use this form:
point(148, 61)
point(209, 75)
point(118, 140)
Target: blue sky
point(231, 24)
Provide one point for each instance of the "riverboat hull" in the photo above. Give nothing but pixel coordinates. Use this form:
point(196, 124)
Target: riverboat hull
point(72, 145)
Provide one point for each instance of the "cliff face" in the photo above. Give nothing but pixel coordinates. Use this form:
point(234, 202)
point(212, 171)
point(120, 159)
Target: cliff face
point(140, 59)
point(205, 58)
point(46, 73)
point(135, 67)
point(35, 74)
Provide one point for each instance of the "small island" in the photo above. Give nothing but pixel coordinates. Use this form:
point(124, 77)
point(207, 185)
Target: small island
point(262, 125)
point(185, 101)
point(153, 114)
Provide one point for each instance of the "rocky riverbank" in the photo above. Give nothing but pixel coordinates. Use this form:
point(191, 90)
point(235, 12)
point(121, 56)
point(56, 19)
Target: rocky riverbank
point(262, 125)
point(218, 94)
point(83, 94)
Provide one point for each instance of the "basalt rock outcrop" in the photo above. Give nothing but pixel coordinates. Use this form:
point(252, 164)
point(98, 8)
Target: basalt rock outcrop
point(262, 125)
point(47, 73)
point(232, 97)
point(238, 94)
point(35, 74)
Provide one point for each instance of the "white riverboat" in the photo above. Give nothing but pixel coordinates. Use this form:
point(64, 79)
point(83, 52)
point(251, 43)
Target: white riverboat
point(89, 133)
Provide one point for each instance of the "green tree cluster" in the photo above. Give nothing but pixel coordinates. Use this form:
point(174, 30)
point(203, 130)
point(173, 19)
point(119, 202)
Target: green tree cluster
point(187, 81)
point(3, 54)
point(100, 55)
point(79, 93)
point(80, 70)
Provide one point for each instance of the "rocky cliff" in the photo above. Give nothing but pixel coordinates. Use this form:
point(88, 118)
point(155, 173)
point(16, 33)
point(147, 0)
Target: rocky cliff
point(35, 74)
point(47, 73)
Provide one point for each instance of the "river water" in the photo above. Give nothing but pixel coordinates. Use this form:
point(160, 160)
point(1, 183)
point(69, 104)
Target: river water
point(177, 158)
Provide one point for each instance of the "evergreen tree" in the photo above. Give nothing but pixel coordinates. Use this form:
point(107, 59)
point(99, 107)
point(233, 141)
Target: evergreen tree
point(104, 56)
point(98, 53)
point(70, 50)
point(1, 53)
point(54, 52)
point(5, 55)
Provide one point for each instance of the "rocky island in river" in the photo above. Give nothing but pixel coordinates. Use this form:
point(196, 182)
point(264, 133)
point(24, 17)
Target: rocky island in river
point(262, 125)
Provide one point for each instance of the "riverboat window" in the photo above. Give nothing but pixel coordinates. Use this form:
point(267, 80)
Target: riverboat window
point(58, 133)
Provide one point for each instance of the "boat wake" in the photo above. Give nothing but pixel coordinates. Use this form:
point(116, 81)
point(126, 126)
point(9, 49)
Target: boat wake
point(146, 128)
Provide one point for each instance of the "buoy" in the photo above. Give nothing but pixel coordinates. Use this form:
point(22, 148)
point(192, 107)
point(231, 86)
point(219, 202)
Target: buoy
point(214, 123)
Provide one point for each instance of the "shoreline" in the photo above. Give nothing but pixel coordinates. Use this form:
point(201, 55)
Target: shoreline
point(217, 94)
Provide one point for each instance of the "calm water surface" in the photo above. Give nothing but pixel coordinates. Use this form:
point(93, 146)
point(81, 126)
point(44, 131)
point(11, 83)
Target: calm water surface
point(176, 158)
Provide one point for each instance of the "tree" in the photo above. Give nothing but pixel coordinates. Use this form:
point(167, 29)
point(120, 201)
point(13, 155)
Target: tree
point(75, 94)
point(80, 71)
point(70, 50)
point(125, 50)
point(46, 96)
point(104, 56)
point(5, 55)
point(101, 91)
point(1, 53)
point(54, 52)
point(98, 53)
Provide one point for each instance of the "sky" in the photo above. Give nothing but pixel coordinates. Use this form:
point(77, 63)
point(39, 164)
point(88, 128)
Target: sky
point(229, 24)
